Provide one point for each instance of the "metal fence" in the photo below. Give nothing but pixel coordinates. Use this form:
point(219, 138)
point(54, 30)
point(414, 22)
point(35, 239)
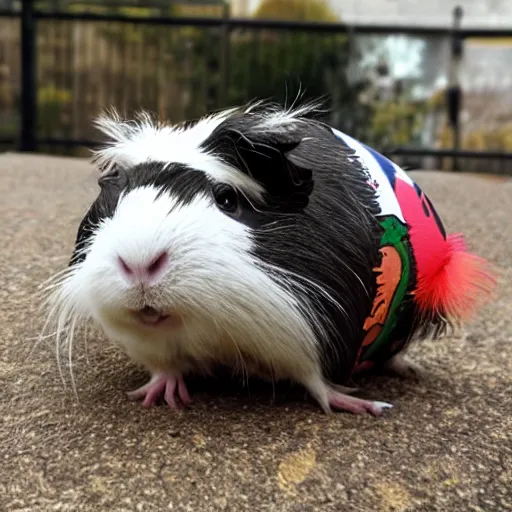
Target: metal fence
point(60, 69)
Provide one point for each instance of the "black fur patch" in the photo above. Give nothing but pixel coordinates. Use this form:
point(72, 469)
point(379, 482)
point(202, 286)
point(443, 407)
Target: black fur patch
point(316, 222)
point(264, 155)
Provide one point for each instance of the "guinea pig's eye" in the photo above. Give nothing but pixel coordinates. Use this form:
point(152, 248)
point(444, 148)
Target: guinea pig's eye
point(226, 198)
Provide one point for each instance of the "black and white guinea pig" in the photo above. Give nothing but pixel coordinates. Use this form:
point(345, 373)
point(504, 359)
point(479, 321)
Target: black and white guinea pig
point(247, 238)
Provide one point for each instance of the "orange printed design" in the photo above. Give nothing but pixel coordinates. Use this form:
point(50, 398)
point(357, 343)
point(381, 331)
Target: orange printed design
point(392, 283)
point(389, 271)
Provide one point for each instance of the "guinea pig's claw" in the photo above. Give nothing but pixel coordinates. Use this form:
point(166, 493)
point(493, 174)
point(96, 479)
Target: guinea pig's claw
point(171, 386)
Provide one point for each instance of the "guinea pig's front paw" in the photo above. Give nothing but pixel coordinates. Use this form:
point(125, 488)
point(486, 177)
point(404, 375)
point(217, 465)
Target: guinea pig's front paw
point(172, 386)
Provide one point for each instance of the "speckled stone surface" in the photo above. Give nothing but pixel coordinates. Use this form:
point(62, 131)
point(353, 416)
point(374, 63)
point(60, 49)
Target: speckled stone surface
point(445, 446)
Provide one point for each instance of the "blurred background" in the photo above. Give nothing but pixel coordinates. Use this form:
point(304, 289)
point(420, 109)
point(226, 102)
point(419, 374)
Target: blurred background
point(429, 83)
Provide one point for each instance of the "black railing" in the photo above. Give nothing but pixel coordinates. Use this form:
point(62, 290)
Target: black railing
point(219, 75)
point(28, 106)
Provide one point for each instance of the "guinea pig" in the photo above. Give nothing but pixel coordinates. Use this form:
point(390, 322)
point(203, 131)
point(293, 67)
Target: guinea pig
point(261, 239)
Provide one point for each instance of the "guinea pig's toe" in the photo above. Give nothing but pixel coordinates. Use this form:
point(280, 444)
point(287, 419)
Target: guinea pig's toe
point(176, 393)
point(173, 389)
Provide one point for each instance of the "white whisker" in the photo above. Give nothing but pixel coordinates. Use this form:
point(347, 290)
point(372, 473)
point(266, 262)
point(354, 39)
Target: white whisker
point(70, 355)
point(86, 343)
point(245, 372)
point(53, 277)
point(57, 353)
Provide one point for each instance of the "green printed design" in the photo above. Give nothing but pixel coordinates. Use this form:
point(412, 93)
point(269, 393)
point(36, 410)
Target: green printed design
point(394, 234)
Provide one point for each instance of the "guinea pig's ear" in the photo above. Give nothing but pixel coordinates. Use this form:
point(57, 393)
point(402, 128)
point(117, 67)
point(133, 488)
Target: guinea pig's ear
point(266, 156)
point(109, 176)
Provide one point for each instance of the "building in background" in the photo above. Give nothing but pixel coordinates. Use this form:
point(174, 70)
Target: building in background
point(477, 13)
point(423, 59)
point(240, 8)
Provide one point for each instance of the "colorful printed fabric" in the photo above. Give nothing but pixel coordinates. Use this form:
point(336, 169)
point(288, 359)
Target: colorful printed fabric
point(405, 213)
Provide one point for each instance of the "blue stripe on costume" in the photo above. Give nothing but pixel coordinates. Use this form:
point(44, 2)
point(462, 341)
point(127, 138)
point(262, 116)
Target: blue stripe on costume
point(385, 164)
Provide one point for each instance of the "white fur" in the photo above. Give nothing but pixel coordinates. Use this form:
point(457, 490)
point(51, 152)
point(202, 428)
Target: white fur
point(143, 139)
point(279, 119)
point(233, 311)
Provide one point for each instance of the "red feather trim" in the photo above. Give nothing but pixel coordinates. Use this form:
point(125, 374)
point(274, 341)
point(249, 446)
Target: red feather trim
point(450, 280)
point(456, 283)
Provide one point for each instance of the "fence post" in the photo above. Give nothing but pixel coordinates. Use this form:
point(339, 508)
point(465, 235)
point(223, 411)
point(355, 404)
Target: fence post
point(225, 43)
point(28, 105)
point(454, 92)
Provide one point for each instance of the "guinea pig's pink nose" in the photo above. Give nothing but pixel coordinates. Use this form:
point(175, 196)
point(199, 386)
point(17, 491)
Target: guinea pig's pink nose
point(145, 272)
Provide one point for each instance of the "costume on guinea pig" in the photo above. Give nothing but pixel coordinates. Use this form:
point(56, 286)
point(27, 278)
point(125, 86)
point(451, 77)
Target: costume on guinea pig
point(423, 272)
point(264, 240)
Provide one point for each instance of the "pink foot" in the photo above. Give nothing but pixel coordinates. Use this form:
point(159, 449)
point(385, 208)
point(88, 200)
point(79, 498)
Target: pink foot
point(160, 383)
point(355, 405)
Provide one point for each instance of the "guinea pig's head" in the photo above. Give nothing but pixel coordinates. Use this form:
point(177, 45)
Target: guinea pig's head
point(182, 238)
